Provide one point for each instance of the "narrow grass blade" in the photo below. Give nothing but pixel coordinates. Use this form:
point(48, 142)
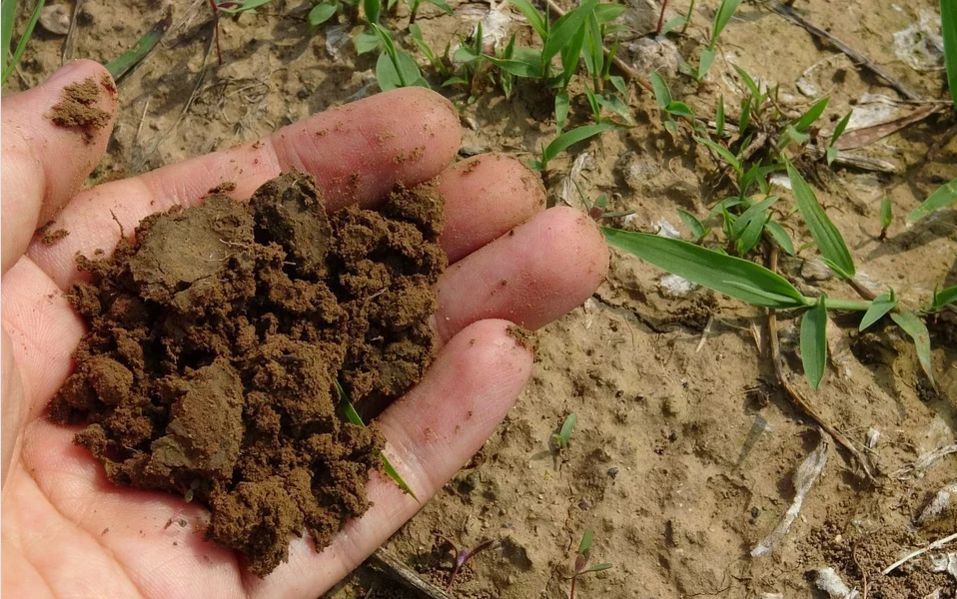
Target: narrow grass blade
point(372, 9)
point(596, 568)
point(234, 8)
point(721, 19)
point(660, 87)
point(351, 416)
point(585, 545)
point(943, 196)
point(780, 237)
point(694, 225)
point(880, 306)
point(828, 239)
point(8, 14)
point(569, 138)
point(11, 64)
point(887, 212)
point(722, 152)
point(944, 297)
point(705, 62)
point(535, 18)
point(122, 64)
point(565, 28)
point(814, 343)
point(917, 330)
point(738, 278)
point(841, 126)
point(811, 115)
point(948, 26)
point(719, 118)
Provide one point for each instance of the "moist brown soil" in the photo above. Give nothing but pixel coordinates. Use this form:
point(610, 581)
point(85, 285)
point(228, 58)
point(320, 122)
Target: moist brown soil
point(48, 235)
point(215, 341)
point(77, 108)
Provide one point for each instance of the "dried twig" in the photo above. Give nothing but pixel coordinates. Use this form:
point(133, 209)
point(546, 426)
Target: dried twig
point(864, 136)
point(788, 12)
point(796, 396)
point(69, 43)
point(935, 545)
point(397, 570)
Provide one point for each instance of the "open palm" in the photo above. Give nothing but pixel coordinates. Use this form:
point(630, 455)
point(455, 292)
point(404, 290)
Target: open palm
point(66, 529)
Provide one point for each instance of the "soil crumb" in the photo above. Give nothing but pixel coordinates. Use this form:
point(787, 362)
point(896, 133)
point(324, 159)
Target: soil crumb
point(48, 237)
point(77, 109)
point(215, 340)
point(522, 336)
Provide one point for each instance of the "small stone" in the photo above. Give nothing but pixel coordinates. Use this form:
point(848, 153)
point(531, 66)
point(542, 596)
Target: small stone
point(613, 471)
point(55, 18)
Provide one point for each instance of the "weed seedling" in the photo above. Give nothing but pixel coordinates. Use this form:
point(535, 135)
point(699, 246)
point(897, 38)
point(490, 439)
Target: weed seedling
point(395, 67)
point(565, 140)
point(461, 556)
point(721, 19)
point(582, 556)
point(563, 437)
point(8, 14)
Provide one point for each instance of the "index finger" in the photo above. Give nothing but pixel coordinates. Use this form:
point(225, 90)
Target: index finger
point(358, 151)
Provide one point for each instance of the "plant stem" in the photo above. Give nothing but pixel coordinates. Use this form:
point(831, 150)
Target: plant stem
point(661, 17)
point(846, 305)
point(684, 27)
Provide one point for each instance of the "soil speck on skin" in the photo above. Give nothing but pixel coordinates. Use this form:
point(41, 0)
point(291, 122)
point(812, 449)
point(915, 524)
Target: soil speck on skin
point(215, 340)
point(48, 236)
point(223, 188)
point(76, 109)
point(522, 336)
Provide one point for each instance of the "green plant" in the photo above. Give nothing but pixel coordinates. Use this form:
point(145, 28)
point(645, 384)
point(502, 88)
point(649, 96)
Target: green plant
point(395, 67)
point(234, 8)
point(721, 19)
point(948, 28)
point(461, 556)
point(565, 140)
point(414, 8)
point(8, 14)
point(562, 438)
point(350, 414)
point(943, 196)
point(122, 64)
point(582, 557)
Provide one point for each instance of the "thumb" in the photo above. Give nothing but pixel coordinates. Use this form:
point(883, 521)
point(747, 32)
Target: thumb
point(53, 136)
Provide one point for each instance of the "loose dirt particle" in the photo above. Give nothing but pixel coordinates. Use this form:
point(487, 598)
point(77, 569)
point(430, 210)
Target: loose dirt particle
point(522, 336)
point(216, 337)
point(76, 109)
point(223, 188)
point(48, 237)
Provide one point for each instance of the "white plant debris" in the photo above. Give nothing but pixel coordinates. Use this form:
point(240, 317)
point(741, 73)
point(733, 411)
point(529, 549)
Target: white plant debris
point(874, 109)
point(666, 229)
point(780, 180)
point(675, 286)
point(336, 38)
point(946, 562)
point(804, 478)
point(872, 437)
point(921, 46)
point(570, 192)
point(772, 595)
point(939, 505)
point(917, 468)
point(831, 583)
point(919, 552)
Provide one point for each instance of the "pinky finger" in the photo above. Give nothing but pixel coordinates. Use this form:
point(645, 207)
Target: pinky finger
point(431, 433)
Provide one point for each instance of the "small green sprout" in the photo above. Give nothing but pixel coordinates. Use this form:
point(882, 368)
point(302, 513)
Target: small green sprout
point(562, 439)
point(582, 556)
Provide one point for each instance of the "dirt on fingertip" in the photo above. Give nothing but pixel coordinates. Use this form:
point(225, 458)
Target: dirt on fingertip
point(48, 235)
point(77, 109)
point(216, 338)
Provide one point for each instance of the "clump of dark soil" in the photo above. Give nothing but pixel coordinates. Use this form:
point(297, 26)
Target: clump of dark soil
point(77, 109)
point(215, 341)
point(49, 236)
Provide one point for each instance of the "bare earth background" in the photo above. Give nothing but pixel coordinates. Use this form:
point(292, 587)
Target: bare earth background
point(665, 400)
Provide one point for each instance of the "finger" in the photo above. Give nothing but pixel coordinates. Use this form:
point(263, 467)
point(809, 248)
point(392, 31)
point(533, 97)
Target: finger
point(484, 197)
point(44, 164)
point(531, 276)
point(358, 151)
point(432, 432)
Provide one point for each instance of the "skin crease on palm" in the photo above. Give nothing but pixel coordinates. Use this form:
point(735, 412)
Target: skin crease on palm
point(67, 531)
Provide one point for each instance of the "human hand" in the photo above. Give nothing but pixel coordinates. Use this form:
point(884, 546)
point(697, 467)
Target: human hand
point(69, 531)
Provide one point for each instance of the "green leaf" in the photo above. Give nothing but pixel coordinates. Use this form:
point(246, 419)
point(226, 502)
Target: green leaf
point(841, 126)
point(352, 416)
point(561, 110)
point(722, 152)
point(780, 237)
point(570, 53)
point(749, 82)
point(814, 343)
point(828, 239)
point(660, 87)
point(887, 215)
point(915, 327)
point(616, 105)
point(8, 14)
point(569, 138)
point(243, 7)
point(608, 12)
point(944, 297)
point(122, 64)
point(372, 9)
point(812, 114)
point(563, 437)
point(721, 19)
point(694, 225)
point(366, 41)
point(321, 13)
point(11, 64)
point(705, 62)
point(565, 28)
point(672, 24)
point(749, 226)
point(535, 18)
point(719, 118)
point(948, 27)
point(880, 306)
point(517, 66)
point(596, 568)
point(679, 108)
point(745, 119)
point(585, 545)
point(441, 5)
point(738, 278)
point(943, 196)
point(830, 153)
